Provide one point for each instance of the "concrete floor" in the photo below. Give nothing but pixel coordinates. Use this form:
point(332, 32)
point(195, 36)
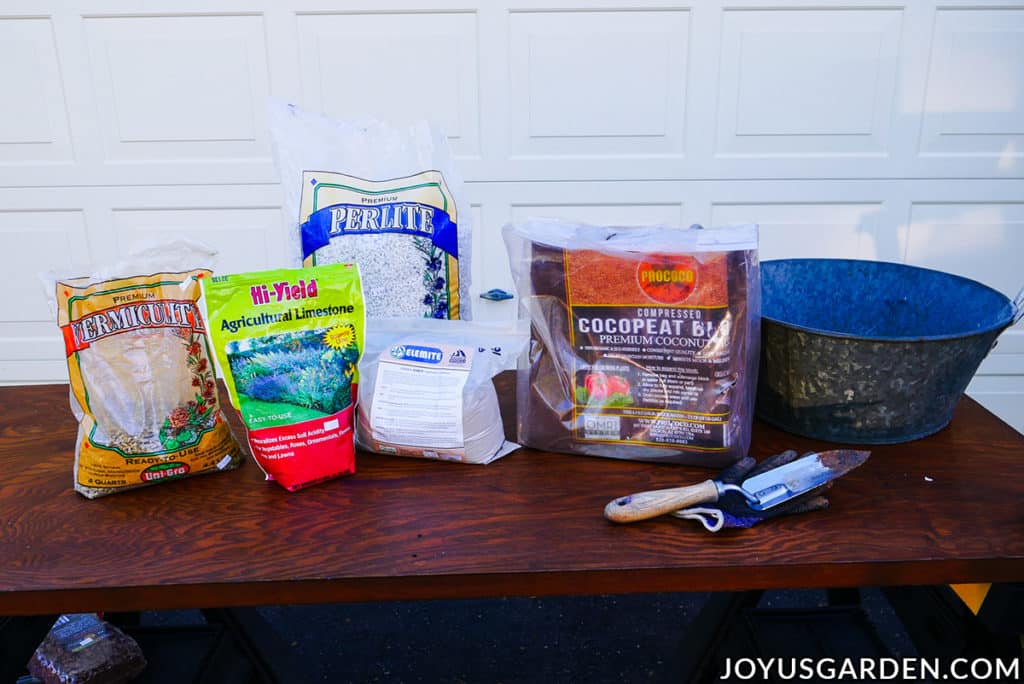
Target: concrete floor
point(595, 639)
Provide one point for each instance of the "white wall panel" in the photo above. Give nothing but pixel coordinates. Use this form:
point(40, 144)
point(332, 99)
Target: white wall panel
point(592, 83)
point(807, 82)
point(1001, 395)
point(936, 234)
point(33, 116)
point(669, 214)
point(32, 242)
point(808, 230)
point(430, 69)
point(176, 88)
point(975, 98)
point(490, 265)
point(240, 235)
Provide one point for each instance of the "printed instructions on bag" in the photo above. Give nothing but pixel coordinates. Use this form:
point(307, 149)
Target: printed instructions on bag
point(417, 406)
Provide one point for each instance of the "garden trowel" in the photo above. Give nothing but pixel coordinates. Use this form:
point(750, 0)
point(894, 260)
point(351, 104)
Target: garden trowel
point(762, 492)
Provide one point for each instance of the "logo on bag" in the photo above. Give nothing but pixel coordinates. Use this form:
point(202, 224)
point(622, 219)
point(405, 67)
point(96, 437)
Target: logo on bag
point(458, 357)
point(78, 335)
point(667, 279)
point(409, 352)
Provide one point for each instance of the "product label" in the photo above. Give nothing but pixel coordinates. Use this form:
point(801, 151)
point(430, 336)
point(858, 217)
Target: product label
point(80, 631)
point(417, 402)
point(652, 349)
point(302, 454)
point(337, 208)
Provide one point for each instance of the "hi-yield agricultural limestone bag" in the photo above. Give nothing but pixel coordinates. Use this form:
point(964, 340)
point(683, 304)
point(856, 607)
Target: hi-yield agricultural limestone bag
point(289, 343)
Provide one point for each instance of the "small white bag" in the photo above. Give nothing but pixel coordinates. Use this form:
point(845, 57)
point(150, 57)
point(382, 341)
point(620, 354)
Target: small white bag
point(426, 388)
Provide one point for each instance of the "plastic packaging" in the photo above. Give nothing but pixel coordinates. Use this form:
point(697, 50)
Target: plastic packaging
point(644, 341)
point(143, 385)
point(289, 342)
point(384, 197)
point(83, 649)
point(428, 391)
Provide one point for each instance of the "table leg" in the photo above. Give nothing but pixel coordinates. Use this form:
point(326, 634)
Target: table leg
point(704, 637)
point(941, 626)
point(271, 659)
point(844, 597)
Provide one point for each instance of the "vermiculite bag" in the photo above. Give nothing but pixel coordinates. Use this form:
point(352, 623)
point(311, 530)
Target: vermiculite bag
point(143, 384)
point(383, 197)
point(645, 341)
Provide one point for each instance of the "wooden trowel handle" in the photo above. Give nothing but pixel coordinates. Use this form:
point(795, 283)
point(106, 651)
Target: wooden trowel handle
point(651, 504)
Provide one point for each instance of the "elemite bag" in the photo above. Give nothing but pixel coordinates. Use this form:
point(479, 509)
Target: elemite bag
point(289, 342)
point(384, 197)
point(644, 343)
point(143, 386)
point(428, 390)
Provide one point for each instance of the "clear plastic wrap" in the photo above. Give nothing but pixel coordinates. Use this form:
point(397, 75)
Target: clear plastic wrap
point(644, 341)
point(427, 389)
point(385, 197)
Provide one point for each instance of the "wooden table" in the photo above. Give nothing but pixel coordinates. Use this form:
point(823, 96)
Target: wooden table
point(949, 508)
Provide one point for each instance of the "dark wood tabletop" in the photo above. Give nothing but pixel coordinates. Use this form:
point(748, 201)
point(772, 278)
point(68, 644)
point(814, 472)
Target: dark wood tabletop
point(949, 508)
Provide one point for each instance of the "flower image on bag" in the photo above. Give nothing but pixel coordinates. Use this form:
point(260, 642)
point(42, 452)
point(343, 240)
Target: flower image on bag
point(142, 383)
point(289, 342)
point(311, 370)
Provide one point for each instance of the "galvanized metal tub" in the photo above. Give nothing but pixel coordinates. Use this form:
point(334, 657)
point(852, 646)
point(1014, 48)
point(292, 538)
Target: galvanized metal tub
point(869, 352)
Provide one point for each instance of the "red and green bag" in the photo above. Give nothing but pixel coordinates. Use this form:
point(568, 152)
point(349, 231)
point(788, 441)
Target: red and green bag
point(289, 343)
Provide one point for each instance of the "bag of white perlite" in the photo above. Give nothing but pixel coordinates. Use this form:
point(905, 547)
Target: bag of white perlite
point(384, 197)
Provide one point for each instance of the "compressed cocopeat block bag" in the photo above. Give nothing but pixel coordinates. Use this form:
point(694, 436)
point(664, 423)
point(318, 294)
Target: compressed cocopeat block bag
point(644, 341)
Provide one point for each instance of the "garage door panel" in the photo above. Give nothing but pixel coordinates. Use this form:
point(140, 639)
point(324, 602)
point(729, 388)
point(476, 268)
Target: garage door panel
point(975, 100)
point(179, 88)
point(597, 83)
point(33, 119)
point(982, 241)
point(808, 230)
point(395, 65)
point(808, 82)
point(32, 242)
point(240, 235)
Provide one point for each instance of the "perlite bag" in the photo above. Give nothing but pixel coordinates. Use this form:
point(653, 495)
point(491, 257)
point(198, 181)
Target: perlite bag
point(289, 342)
point(143, 385)
point(384, 197)
point(644, 340)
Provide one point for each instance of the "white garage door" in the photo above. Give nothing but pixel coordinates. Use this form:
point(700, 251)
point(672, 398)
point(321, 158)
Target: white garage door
point(874, 129)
